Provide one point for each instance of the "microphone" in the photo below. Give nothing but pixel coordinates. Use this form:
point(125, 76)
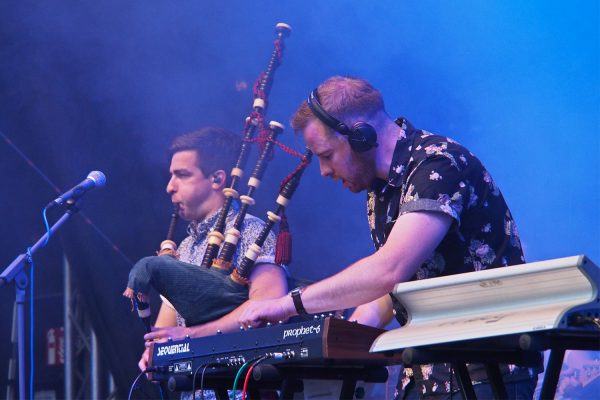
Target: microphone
point(94, 179)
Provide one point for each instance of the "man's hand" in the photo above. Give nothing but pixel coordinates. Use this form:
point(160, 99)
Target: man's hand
point(160, 335)
point(143, 363)
point(258, 312)
point(166, 333)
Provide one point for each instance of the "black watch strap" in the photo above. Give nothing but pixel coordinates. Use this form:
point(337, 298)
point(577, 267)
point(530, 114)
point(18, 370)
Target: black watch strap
point(296, 297)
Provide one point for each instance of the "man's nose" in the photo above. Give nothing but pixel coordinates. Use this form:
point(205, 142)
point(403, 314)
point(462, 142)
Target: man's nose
point(171, 187)
point(325, 170)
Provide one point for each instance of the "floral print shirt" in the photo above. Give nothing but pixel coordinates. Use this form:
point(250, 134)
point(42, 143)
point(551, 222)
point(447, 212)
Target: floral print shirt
point(193, 247)
point(436, 174)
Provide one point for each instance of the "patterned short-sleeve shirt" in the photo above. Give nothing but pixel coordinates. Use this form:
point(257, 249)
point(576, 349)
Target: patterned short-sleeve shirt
point(436, 174)
point(193, 247)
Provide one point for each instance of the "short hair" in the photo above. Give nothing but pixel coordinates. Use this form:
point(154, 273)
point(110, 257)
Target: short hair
point(216, 148)
point(341, 96)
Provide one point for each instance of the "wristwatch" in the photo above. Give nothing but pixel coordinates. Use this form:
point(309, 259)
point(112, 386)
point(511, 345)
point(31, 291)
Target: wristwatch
point(295, 294)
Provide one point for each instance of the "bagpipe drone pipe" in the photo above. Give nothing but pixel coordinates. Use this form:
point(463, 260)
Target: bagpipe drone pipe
point(202, 293)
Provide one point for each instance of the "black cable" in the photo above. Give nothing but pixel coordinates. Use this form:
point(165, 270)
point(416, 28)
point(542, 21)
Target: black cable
point(135, 382)
point(202, 382)
point(149, 369)
point(194, 380)
point(451, 380)
point(204, 366)
point(162, 396)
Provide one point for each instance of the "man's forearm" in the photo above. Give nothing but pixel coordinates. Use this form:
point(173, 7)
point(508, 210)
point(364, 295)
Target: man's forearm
point(227, 323)
point(377, 313)
point(365, 280)
point(267, 281)
point(412, 240)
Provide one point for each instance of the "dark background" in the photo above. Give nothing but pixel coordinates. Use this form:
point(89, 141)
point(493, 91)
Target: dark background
point(107, 85)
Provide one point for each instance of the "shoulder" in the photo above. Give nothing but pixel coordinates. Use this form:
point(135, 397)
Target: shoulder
point(253, 223)
point(444, 150)
point(429, 144)
point(250, 219)
point(252, 228)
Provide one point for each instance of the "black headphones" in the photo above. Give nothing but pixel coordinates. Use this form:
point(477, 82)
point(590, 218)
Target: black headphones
point(361, 136)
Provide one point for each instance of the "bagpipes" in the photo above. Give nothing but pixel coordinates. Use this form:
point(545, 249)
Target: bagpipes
point(204, 293)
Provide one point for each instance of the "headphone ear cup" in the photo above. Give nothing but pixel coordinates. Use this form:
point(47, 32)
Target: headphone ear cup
point(362, 137)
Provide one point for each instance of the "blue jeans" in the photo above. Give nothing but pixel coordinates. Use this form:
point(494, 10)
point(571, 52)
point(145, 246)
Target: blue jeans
point(199, 294)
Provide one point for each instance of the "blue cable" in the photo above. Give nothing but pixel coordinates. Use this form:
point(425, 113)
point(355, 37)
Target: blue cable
point(47, 226)
point(31, 361)
point(31, 308)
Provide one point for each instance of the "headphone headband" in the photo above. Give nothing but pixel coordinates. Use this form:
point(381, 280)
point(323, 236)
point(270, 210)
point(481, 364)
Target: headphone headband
point(361, 136)
point(315, 106)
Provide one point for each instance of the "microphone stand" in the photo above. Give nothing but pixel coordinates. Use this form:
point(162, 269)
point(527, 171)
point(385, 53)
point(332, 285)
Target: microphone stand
point(15, 272)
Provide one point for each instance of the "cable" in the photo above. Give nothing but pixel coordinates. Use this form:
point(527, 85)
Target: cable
point(135, 382)
point(202, 383)
point(32, 308)
point(245, 388)
point(48, 231)
point(112, 245)
point(157, 368)
point(451, 381)
point(578, 319)
point(194, 380)
point(31, 321)
point(239, 373)
point(203, 366)
point(250, 374)
point(162, 395)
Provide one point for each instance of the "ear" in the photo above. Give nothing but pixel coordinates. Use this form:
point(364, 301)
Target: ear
point(219, 178)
